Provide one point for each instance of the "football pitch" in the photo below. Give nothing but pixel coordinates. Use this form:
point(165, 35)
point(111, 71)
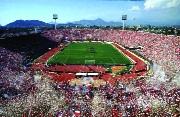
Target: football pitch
point(90, 53)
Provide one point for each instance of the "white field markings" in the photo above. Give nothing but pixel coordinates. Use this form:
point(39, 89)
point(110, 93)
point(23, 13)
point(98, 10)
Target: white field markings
point(108, 42)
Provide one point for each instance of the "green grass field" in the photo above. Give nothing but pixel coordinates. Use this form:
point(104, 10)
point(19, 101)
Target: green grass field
point(89, 53)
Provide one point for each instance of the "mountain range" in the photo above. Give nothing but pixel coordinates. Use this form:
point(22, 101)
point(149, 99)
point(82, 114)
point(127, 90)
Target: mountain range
point(97, 22)
point(37, 23)
point(27, 24)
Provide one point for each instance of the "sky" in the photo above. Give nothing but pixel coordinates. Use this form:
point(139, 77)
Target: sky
point(138, 11)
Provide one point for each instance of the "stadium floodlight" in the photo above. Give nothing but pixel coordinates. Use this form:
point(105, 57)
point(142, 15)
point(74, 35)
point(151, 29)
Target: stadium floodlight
point(55, 17)
point(124, 17)
point(175, 32)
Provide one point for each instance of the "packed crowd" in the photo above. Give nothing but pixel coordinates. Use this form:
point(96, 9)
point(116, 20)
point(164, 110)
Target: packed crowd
point(138, 98)
point(135, 99)
point(16, 55)
point(15, 79)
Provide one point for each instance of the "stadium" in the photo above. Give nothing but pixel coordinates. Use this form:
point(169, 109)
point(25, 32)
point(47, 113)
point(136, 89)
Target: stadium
point(90, 58)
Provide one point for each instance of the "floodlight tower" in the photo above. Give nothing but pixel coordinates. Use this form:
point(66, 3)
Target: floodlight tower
point(55, 17)
point(175, 32)
point(124, 17)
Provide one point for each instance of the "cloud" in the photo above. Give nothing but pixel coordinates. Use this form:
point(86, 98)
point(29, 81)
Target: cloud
point(135, 8)
point(161, 4)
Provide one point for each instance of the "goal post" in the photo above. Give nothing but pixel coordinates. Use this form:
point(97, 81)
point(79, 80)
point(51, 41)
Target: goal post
point(90, 62)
